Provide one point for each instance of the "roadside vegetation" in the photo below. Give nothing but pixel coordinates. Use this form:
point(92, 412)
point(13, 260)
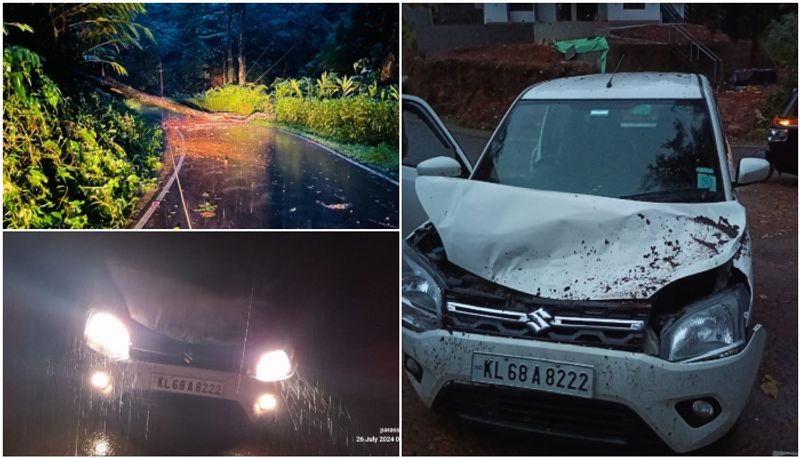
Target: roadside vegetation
point(74, 157)
point(353, 115)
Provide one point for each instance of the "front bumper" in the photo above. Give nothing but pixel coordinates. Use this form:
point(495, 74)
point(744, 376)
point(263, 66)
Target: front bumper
point(648, 385)
point(131, 376)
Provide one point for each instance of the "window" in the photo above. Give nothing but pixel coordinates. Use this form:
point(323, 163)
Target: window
point(421, 139)
point(586, 11)
point(633, 6)
point(520, 6)
point(654, 150)
point(563, 12)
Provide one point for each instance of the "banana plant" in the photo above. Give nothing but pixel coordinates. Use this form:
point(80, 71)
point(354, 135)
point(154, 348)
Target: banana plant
point(296, 89)
point(372, 89)
point(326, 87)
point(347, 86)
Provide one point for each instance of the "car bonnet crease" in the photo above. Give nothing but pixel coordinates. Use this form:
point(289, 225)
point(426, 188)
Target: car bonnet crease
point(578, 247)
point(185, 310)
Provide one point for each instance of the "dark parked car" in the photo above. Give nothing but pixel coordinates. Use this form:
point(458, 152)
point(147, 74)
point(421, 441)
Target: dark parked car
point(782, 153)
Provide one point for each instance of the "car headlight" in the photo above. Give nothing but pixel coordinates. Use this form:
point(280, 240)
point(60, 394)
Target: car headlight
point(712, 327)
point(778, 135)
point(422, 296)
point(274, 366)
point(106, 334)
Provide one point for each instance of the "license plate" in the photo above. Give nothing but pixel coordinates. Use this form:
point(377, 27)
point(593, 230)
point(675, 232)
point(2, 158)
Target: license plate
point(161, 382)
point(535, 374)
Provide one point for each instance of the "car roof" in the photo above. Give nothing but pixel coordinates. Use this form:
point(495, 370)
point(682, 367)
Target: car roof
point(642, 85)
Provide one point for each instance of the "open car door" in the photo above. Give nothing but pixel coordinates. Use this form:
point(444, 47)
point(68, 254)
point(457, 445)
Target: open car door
point(424, 137)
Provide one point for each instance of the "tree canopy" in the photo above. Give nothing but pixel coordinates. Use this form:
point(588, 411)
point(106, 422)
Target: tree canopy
point(194, 46)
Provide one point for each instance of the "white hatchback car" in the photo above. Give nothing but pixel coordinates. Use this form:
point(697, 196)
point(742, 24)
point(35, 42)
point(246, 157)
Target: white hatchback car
point(592, 277)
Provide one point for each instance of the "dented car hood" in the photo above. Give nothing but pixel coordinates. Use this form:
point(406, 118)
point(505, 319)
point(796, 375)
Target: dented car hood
point(571, 246)
point(186, 309)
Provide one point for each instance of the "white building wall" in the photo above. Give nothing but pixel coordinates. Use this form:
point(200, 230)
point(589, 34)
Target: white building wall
point(495, 13)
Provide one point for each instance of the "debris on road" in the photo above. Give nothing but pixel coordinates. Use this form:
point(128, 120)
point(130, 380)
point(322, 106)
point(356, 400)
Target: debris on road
point(337, 206)
point(206, 209)
point(770, 386)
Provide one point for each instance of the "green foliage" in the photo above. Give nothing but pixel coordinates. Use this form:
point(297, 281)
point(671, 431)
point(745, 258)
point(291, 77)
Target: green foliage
point(383, 156)
point(18, 25)
point(365, 30)
point(100, 31)
point(332, 107)
point(347, 86)
point(69, 163)
point(781, 43)
point(326, 86)
point(358, 119)
point(232, 98)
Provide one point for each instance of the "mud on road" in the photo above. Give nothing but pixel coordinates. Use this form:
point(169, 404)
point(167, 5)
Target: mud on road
point(766, 425)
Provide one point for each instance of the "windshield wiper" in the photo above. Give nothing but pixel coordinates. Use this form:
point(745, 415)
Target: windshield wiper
point(672, 195)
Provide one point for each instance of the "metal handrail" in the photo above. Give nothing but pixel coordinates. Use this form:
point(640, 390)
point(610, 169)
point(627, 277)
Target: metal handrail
point(695, 48)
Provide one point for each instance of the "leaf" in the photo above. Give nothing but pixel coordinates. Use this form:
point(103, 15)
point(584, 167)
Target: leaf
point(770, 386)
point(22, 27)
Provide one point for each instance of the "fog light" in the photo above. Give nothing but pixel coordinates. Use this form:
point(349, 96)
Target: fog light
point(267, 402)
point(413, 367)
point(702, 409)
point(101, 380)
point(699, 411)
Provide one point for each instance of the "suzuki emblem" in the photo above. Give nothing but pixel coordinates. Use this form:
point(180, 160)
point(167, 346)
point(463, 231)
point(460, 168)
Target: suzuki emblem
point(537, 320)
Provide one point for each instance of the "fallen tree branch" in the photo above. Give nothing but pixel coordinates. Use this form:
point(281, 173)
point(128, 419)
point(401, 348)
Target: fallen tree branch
point(121, 90)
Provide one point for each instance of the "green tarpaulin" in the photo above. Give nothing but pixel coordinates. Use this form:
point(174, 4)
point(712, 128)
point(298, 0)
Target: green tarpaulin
point(584, 45)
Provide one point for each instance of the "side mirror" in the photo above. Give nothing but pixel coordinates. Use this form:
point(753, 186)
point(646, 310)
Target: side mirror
point(440, 166)
point(752, 170)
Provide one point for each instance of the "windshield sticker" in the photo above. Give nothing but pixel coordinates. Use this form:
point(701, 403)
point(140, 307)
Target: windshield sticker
point(598, 113)
point(706, 179)
point(644, 109)
point(637, 124)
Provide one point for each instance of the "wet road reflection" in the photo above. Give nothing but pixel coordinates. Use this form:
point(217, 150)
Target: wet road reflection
point(245, 176)
point(50, 410)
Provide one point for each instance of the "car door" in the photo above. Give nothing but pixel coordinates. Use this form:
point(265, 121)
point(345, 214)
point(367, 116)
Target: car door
point(424, 137)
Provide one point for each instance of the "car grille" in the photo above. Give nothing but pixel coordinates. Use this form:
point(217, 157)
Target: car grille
point(618, 325)
point(149, 346)
point(546, 413)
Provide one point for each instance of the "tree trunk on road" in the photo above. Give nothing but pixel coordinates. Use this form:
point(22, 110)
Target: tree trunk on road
point(116, 88)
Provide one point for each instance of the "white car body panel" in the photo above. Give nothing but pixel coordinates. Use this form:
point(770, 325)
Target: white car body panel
point(579, 247)
point(649, 385)
point(623, 86)
point(136, 376)
point(413, 213)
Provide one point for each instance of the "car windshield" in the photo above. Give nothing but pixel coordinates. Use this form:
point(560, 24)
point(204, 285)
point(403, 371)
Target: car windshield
point(654, 150)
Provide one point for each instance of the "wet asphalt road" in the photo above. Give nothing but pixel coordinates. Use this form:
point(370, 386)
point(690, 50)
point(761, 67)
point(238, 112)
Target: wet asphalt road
point(766, 425)
point(237, 176)
point(345, 385)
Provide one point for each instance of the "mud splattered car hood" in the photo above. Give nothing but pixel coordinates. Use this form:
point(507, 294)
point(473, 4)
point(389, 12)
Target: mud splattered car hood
point(571, 246)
